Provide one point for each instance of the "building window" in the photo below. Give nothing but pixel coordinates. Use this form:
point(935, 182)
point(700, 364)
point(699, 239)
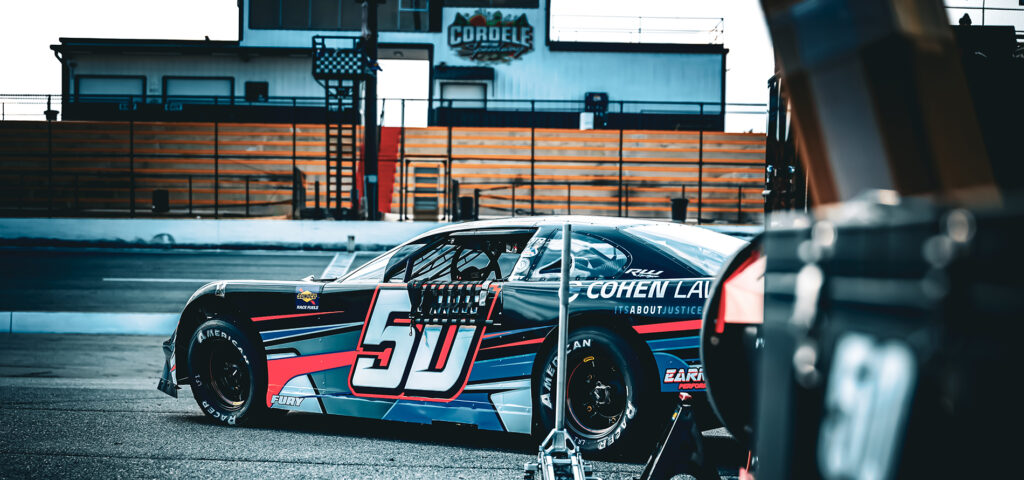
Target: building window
point(392, 16)
point(325, 14)
point(492, 3)
point(199, 89)
point(257, 91)
point(463, 95)
point(264, 14)
point(295, 14)
point(107, 87)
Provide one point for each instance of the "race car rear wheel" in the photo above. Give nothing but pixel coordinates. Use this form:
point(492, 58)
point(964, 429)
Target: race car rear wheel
point(608, 398)
point(224, 373)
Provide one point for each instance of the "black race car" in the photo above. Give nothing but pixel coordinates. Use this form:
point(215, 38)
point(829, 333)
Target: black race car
point(458, 325)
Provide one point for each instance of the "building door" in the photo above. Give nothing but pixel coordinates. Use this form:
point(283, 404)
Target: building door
point(405, 74)
point(463, 95)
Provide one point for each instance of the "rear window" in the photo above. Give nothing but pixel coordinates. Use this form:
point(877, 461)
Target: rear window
point(593, 258)
point(703, 250)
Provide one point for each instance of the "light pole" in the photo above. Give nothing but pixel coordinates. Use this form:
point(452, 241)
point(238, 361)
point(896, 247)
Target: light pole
point(369, 41)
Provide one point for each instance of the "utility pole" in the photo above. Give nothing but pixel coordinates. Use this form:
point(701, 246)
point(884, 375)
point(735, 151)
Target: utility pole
point(371, 165)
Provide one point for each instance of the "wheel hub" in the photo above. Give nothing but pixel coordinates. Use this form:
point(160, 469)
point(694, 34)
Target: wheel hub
point(596, 397)
point(229, 379)
point(602, 394)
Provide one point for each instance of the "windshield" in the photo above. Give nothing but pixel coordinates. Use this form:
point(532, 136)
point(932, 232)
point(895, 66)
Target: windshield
point(370, 272)
point(701, 249)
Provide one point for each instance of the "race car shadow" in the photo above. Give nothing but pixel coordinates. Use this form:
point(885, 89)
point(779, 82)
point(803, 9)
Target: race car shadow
point(438, 433)
point(721, 448)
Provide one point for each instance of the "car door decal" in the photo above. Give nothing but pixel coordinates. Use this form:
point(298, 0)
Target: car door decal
point(399, 361)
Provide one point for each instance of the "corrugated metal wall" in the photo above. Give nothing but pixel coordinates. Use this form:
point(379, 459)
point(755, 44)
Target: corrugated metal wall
point(544, 74)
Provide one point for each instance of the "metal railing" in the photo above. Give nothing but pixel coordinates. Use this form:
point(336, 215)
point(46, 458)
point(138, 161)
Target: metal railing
point(415, 112)
point(622, 197)
point(526, 205)
point(46, 188)
point(68, 193)
point(216, 189)
point(637, 29)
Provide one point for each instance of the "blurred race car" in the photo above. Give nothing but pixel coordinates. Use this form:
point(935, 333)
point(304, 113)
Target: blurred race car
point(458, 325)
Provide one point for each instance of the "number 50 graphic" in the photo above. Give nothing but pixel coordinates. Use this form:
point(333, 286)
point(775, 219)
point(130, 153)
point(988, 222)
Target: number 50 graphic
point(432, 363)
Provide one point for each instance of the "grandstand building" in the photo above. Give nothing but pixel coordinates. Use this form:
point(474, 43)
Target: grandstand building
point(473, 62)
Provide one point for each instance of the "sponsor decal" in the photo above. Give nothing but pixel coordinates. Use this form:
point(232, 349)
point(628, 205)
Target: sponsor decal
point(490, 36)
point(285, 400)
point(668, 310)
point(641, 273)
point(306, 299)
point(691, 378)
point(660, 289)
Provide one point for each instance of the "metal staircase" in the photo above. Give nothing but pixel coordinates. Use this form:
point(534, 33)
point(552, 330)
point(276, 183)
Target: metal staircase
point(339, 65)
point(341, 104)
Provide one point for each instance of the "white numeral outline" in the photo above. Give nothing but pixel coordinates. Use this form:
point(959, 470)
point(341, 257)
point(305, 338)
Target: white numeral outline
point(432, 364)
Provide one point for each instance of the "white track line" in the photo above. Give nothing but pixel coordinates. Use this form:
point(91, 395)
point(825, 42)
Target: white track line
point(157, 280)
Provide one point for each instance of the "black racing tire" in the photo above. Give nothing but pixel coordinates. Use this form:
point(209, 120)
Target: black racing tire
point(610, 398)
point(227, 373)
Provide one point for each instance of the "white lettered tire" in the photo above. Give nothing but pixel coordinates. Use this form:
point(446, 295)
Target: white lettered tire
point(609, 399)
point(226, 372)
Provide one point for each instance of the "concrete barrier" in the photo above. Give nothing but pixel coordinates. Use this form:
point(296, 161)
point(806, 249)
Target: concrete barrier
point(90, 322)
point(193, 233)
point(230, 234)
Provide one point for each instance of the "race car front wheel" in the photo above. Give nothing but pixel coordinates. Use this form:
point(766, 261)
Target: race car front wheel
point(223, 372)
point(607, 398)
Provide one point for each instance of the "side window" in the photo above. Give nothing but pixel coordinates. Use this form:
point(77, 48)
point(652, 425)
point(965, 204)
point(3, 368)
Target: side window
point(395, 270)
point(592, 259)
point(470, 256)
point(435, 264)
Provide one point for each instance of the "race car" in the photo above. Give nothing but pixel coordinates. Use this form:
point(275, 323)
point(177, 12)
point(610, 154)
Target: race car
point(458, 325)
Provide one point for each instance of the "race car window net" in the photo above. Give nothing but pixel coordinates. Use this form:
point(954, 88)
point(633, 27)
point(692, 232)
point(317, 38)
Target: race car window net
point(466, 256)
point(592, 259)
point(702, 250)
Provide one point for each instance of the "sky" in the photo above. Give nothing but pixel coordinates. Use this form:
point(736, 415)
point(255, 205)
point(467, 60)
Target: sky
point(28, 28)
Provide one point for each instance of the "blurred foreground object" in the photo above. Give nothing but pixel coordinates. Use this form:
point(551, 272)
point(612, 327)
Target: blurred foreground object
point(892, 310)
point(889, 327)
point(880, 100)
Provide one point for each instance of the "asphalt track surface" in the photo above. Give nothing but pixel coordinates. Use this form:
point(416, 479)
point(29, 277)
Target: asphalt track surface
point(106, 280)
point(86, 406)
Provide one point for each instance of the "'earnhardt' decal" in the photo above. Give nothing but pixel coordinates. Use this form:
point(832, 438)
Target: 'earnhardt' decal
point(394, 360)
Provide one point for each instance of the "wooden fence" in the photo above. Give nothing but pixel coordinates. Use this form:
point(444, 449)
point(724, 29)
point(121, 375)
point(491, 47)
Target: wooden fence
point(232, 169)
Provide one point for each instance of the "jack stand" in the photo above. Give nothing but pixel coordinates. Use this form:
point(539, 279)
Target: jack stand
point(559, 459)
point(681, 451)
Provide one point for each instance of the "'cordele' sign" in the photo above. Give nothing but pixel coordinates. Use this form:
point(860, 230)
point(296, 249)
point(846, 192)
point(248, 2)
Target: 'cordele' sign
point(490, 37)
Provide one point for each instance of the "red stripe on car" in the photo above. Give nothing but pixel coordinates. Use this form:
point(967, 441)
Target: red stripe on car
point(293, 315)
point(516, 344)
point(668, 327)
point(281, 370)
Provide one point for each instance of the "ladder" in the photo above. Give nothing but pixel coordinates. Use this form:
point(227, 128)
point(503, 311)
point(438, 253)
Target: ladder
point(341, 109)
point(339, 65)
